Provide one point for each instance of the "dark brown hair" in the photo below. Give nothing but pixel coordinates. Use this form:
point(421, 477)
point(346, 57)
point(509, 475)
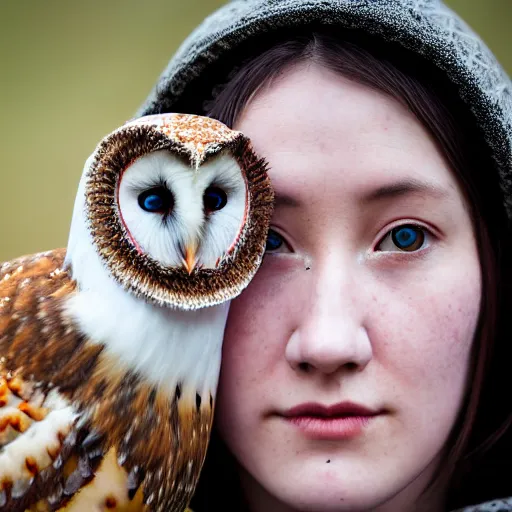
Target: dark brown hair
point(421, 88)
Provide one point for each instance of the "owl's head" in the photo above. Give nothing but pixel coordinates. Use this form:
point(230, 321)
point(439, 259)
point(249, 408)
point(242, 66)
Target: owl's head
point(177, 207)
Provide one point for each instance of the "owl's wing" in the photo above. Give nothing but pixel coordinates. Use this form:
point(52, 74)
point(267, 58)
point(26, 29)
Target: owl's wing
point(30, 287)
point(49, 459)
point(47, 462)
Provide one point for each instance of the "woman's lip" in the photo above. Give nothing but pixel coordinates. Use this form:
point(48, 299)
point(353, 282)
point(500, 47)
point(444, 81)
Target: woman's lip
point(330, 422)
point(333, 428)
point(341, 409)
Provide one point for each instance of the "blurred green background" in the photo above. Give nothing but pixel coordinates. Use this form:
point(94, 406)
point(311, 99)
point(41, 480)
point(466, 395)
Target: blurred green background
point(73, 71)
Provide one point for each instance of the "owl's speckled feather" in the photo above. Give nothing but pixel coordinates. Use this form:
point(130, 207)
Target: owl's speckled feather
point(82, 427)
point(199, 136)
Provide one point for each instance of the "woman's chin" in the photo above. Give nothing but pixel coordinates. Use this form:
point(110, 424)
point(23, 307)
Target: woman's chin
point(341, 488)
point(329, 498)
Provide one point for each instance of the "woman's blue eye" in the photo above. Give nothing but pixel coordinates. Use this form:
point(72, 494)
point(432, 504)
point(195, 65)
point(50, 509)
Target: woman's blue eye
point(214, 199)
point(408, 237)
point(156, 200)
point(274, 241)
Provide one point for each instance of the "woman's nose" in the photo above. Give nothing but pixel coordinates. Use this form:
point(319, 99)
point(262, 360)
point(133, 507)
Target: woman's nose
point(331, 332)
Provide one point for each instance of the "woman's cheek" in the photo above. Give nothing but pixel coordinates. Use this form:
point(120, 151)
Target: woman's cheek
point(277, 291)
point(423, 334)
point(259, 324)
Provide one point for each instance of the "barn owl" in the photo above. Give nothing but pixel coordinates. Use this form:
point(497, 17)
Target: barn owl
point(110, 350)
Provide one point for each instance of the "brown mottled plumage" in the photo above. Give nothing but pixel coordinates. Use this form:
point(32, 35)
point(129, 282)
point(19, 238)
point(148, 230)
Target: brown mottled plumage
point(82, 427)
point(38, 340)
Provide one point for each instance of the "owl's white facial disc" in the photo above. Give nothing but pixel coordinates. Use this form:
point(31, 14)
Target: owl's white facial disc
point(224, 190)
point(180, 216)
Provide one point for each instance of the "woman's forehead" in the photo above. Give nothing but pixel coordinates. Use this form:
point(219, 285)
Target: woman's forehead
point(317, 129)
point(323, 99)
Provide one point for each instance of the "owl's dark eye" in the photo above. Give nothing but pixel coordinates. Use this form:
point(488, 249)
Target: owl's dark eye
point(274, 241)
point(156, 200)
point(214, 199)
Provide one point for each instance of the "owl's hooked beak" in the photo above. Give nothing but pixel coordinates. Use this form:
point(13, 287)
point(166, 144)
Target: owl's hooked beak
point(190, 257)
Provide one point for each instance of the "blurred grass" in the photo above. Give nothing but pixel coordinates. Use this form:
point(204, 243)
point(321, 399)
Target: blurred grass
point(73, 71)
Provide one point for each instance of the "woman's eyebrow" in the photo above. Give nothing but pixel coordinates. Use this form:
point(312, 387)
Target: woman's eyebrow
point(405, 187)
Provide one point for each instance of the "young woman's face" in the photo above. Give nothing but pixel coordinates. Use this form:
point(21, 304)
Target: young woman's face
point(345, 361)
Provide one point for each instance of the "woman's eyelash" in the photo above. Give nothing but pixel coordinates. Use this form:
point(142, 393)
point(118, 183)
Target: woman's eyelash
point(404, 238)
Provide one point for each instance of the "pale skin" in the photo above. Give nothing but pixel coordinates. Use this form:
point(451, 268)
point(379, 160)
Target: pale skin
point(339, 313)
